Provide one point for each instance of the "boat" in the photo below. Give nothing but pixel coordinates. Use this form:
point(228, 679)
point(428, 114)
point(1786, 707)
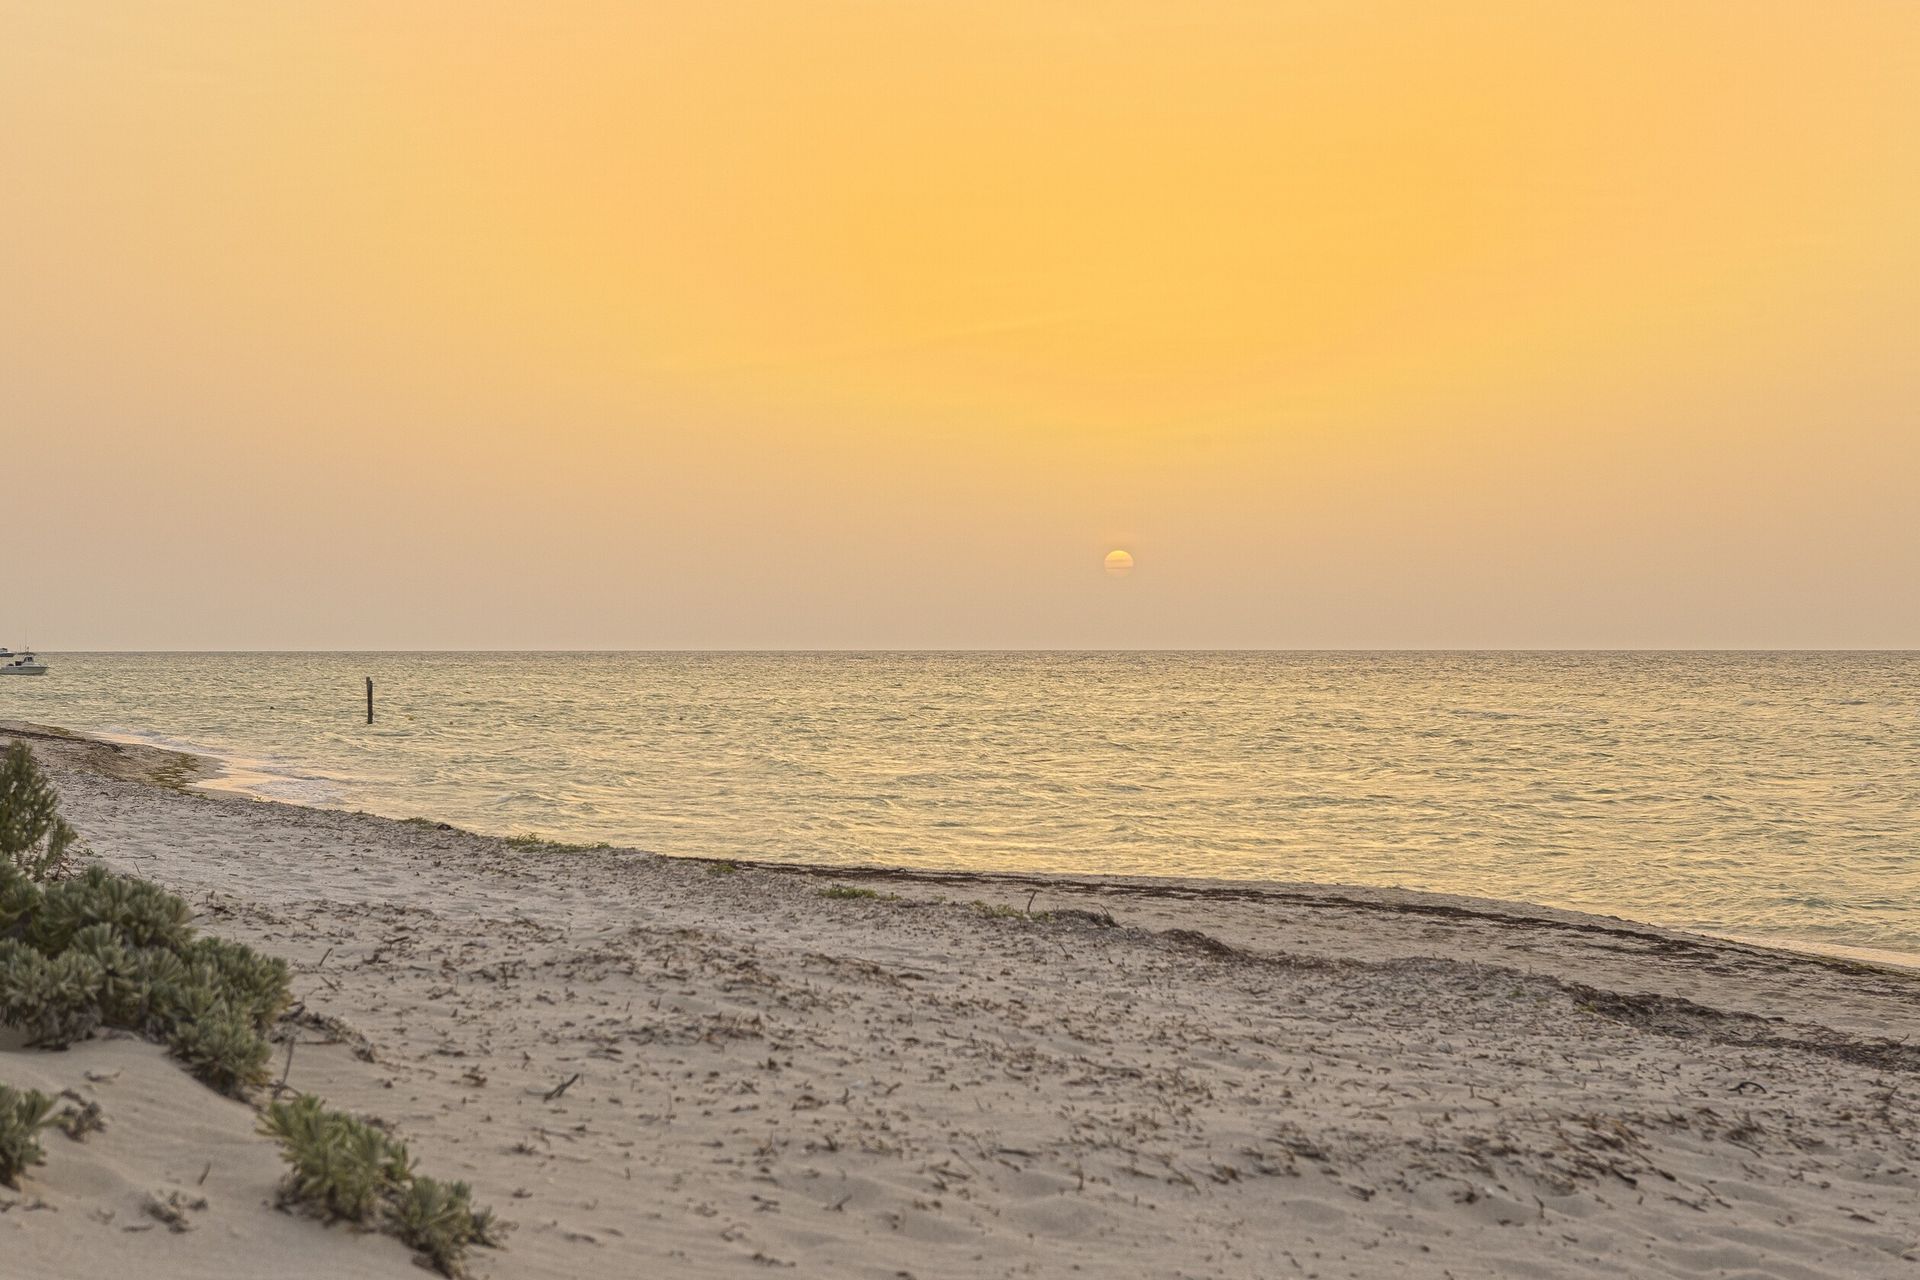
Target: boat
point(20, 664)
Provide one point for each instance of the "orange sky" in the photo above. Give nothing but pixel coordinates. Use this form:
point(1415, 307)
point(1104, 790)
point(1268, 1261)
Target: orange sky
point(878, 324)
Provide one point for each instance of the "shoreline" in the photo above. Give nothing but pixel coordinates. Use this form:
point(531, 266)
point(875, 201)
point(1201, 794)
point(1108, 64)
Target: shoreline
point(698, 1068)
point(206, 771)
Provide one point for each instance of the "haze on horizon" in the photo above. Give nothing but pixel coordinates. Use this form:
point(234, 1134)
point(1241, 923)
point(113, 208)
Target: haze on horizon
point(860, 324)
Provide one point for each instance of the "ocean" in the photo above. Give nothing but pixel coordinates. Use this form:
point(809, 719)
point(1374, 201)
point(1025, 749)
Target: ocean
point(1771, 796)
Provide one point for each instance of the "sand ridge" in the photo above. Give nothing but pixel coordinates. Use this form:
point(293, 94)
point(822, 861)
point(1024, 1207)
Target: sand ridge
point(658, 1066)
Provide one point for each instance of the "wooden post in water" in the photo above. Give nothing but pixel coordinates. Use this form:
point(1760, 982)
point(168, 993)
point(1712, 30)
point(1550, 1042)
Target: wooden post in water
point(369, 699)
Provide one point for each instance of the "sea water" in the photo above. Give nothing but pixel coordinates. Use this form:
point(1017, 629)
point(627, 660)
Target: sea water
point(1765, 795)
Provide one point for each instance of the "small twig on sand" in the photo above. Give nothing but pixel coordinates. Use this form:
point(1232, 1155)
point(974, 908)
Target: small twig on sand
point(562, 1087)
point(285, 1071)
point(1030, 898)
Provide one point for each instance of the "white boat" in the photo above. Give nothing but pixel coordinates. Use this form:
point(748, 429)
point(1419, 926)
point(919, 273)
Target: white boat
point(20, 664)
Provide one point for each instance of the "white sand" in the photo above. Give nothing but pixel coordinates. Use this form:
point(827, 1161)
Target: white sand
point(1311, 1082)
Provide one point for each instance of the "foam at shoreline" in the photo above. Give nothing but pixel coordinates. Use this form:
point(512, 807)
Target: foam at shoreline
point(236, 773)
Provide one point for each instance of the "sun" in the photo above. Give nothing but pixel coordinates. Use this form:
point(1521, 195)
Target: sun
point(1119, 563)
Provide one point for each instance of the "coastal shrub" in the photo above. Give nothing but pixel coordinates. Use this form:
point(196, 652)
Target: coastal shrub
point(55, 1001)
point(141, 913)
point(127, 975)
point(260, 986)
point(121, 984)
point(342, 1167)
point(222, 1049)
point(19, 901)
point(34, 838)
point(23, 1114)
point(193, 997)
point(101, 949)
point(147, 997)
point(19, 980)
point(438, 1219)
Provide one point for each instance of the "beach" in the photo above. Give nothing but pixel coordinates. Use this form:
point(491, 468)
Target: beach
point(700, 1067)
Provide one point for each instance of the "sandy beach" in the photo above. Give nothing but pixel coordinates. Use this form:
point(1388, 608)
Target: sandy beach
point(656, 1066)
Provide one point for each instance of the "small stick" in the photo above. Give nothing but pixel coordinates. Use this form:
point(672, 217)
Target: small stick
point(563, 1086)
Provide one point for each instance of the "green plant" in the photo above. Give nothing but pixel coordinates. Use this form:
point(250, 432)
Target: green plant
point(141, 913)
point(342, 1167)
point(261, 986)
point(20, 980)
point(23, 1114)
point(438, 1219)
point(146, 997)
point(34, 839)
point(847, 891)
point(122, 985)
point(19, 900)
point(222, 1049)
point(56, 1001)
point(114, 949)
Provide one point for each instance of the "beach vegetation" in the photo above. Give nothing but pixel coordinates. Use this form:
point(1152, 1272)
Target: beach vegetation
point(345, 1168)
point(342, 1168)
point(222, 1049)
point(34, 838)
point(141, 913)
point(176, 773)
point(19, 901)
point(439, 1221)
point(847, 891)
point(260, 987)
point(1000, 911)
point(723, 868)
point(23, 1114)
point(56, 1001)
point(533, 841)
point(101, 949)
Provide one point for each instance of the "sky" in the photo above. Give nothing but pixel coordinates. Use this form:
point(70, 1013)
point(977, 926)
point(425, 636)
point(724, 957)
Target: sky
point(340, 324)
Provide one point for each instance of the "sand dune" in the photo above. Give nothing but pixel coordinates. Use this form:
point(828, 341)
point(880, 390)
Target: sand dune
point(666, 1067)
